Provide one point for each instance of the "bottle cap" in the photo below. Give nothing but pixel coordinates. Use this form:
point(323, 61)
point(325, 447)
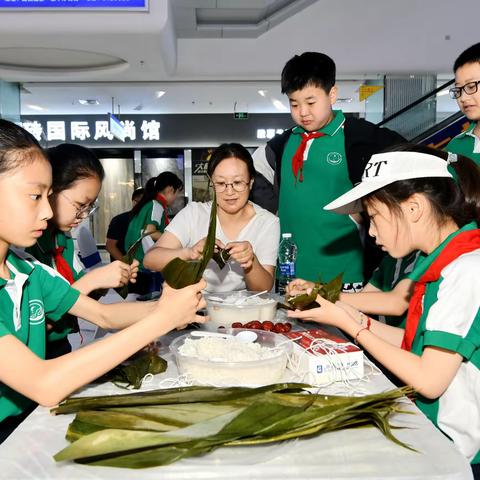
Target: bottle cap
point(286, 235)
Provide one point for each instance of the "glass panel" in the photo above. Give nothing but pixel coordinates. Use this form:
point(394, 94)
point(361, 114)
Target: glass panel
point(115, 195)
point(432, 110)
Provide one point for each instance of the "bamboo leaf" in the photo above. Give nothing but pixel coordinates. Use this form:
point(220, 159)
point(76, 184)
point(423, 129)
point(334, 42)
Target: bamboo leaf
point(305, 301)
point(221, 257)
point(261, 415)
point(119, 440)
point(170, 395)
point(179, 273)
point(132, 373)
point(128, 258)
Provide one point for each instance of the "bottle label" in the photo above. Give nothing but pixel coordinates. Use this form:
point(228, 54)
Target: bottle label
point(287, 269)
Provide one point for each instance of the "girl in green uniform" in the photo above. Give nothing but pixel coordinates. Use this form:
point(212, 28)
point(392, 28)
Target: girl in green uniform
point(30, 291)
point(77, 177)
point(150, 216)
point(429, 202)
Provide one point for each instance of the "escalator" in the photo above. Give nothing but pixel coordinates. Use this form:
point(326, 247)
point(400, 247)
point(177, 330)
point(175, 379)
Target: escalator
point(421, 122)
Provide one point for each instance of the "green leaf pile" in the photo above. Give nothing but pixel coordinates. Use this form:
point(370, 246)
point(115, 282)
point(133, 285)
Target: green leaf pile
point(160, 427)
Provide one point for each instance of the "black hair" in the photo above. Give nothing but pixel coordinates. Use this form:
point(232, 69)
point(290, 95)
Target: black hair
point(230, 150)
point(457, 199)
point(71, 162)
point(156, 185)
point(309, 68)
point(137, 193)
point(470, 55)
point(17, 146)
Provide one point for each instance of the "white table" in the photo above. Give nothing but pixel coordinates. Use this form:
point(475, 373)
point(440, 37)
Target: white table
point(353, 454)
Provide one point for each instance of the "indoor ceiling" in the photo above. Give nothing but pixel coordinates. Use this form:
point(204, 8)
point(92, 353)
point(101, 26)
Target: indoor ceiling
point(208, 55)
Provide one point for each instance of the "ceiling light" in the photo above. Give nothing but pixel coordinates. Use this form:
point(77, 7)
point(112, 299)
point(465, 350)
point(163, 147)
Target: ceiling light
point(88, 101)
point(344, 100)
point(160, 93)
point(262, 93)
point(279, 105)
point(36, 108)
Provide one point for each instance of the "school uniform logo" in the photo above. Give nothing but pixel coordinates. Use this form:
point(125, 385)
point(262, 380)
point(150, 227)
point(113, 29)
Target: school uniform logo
point(37, 312)
point(334, 158)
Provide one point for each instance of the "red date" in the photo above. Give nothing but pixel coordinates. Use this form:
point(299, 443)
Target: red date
point(267, 326)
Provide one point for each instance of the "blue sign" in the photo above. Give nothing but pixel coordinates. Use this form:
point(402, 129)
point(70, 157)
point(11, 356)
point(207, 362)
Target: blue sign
point(75, 4)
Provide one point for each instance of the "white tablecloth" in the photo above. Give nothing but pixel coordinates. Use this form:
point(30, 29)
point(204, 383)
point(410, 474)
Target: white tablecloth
point(354, 454)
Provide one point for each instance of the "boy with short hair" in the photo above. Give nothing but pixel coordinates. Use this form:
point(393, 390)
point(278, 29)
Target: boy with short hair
point(467, 93)
point(303, 169)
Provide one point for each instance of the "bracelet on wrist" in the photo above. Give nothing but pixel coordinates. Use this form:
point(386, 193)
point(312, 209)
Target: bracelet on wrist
point(368, 323)
point(355, 340)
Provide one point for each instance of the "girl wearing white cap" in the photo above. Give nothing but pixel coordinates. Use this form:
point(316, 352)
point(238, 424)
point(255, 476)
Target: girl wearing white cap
point(429, 202)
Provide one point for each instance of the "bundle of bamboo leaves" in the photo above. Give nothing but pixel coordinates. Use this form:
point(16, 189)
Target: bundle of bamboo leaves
point(160, 427)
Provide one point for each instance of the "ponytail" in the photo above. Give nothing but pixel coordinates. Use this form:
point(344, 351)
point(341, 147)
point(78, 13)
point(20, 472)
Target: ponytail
point(154, 186)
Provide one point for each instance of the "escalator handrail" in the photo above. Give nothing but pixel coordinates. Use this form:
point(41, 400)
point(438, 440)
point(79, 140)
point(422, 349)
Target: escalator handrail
point(415, 103)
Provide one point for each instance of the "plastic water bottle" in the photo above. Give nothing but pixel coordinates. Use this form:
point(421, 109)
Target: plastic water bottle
point(287, 256)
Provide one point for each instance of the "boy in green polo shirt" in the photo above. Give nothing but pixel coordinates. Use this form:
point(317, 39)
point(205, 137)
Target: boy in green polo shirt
point(467, 93)
point(311, 164)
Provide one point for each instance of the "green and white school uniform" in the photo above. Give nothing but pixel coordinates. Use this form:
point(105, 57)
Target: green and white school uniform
point(33, 292)
point(151, 213)
point(466, 143)
point(388, 274)
point(328, 243)
point(451, 320)
point(43, 251)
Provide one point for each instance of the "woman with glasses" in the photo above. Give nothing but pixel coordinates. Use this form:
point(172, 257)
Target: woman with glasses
point(77, 177)
point(247, 232)
point(467, 93)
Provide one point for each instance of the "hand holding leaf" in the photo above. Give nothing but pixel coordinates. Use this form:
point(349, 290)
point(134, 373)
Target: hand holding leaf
point(179, 273)
point(330, 291)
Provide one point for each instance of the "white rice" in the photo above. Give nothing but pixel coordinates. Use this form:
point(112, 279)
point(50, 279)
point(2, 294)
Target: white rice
point(220, 349)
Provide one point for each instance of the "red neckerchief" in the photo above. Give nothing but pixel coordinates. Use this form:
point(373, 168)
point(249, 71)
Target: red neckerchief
point(160, 198)
point(63, 268)
point(462, 243)
point(297, 160)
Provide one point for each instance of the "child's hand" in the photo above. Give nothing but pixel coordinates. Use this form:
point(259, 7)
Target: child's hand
point(298, 286)
point(115, 274)
point(352, 311)
point(328, 313)
point(134, 271)
point(181, 306)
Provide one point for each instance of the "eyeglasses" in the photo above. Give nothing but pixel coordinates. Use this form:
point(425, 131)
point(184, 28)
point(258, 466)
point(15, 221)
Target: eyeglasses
point(82, 211)
point(469, 88)
point(237, 185)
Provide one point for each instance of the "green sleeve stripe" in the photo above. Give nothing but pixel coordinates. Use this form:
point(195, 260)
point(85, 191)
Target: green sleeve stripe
point(450, 341)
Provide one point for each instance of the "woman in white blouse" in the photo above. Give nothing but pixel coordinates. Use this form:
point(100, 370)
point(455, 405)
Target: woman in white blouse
point(247, 231)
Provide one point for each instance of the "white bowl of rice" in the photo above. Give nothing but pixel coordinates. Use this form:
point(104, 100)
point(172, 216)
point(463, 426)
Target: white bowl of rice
point(224, 309)
point(227, 362)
